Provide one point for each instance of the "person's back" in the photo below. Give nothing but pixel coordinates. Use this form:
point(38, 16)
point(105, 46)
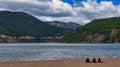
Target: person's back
point(99, 60)
point(94, 60)
point(87, 60)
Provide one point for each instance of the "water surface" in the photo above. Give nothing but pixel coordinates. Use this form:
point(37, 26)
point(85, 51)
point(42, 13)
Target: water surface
point(52, 51)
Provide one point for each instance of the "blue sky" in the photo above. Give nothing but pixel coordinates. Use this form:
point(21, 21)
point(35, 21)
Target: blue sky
point(65, 10)
point(115, 2)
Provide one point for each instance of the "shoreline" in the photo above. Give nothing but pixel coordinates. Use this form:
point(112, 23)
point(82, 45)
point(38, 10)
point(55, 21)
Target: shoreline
point(57, 59)
point(107, 62)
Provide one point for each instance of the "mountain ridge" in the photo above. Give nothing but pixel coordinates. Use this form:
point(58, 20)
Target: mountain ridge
point(20, 24)
point(70, 25)
point(105, 30)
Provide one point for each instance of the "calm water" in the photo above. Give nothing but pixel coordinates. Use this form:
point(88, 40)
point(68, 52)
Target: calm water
point(52, 51)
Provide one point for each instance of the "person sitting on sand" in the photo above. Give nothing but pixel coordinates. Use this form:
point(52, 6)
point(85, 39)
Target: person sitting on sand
point(87, 60)
point(99, 60)
point(94, 60)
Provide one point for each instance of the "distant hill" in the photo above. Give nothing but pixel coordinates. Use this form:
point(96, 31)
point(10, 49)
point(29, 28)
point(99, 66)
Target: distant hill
point(70, 25)
point(98, 31)
point(19, 25)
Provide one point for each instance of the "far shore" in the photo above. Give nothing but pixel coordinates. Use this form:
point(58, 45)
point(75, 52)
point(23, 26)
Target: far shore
point(107, 62)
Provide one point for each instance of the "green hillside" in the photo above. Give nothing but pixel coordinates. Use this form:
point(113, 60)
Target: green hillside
point(98, 31)
point(18, 24)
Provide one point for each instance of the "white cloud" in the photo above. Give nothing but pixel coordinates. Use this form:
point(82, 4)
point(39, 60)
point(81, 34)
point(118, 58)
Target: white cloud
point(92, 10)
point(51, 10)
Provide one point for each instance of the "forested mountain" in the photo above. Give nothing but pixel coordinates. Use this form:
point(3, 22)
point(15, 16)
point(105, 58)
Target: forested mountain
point(98, 31)
point(19, 24)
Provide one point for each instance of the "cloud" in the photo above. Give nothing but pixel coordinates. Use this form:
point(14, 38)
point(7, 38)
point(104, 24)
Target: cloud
point(52, 8)
point(49, 10)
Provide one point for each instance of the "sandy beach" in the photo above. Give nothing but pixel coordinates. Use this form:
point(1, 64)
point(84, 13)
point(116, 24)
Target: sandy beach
point(107, 62)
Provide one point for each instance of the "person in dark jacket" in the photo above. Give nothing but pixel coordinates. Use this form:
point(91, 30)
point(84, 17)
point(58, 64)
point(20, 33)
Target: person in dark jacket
point(87, 60)
point(99, 60)
point(94, 60)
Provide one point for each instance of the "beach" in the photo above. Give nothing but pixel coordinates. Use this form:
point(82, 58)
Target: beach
point(107, 62)
point(36, 55)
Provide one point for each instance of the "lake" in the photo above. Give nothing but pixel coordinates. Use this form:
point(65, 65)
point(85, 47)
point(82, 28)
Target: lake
point(53, 51)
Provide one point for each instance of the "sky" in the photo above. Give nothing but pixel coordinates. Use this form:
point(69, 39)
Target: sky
point(78, 11)
point(115, 2)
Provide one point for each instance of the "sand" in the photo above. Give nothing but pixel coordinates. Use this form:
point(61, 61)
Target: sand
point(107, 62)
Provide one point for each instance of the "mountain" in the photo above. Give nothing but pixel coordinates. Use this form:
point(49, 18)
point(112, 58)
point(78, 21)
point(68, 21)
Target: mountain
point(98, 31)
point(19, 25)
point(70, 25)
